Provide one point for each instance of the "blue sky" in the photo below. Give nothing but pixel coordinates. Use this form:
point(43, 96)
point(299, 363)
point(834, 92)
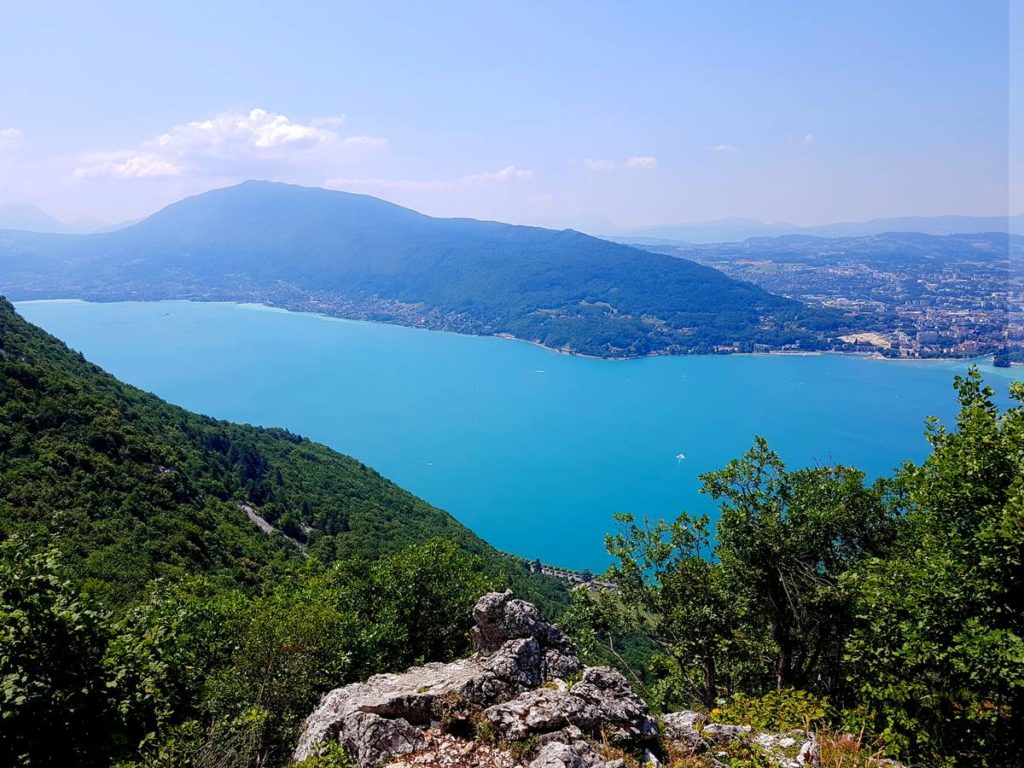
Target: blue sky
point(561, 113)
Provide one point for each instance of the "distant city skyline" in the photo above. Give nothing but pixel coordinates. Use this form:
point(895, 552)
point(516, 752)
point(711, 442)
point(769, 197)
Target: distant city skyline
point(589, 115)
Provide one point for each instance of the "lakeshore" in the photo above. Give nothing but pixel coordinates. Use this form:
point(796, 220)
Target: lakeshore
point(535, 463)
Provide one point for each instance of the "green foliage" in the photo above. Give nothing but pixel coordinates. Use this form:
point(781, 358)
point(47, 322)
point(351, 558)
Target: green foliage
point(784, 539)
point(742, 754)
point(327, 756)
point(165, 648)
point(776, 711)
point(419, 603)
point(901, 602)
point(294, 645)
point(197, 674)
point(670, 592)
point(938, 652)
point(54, 706)
point(521, 748)
point(763, 606)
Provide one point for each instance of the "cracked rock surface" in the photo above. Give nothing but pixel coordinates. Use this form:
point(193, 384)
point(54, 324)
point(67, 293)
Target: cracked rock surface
point(601, 704)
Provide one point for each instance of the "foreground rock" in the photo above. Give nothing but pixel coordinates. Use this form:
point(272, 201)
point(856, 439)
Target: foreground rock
point(499, 617)
point(574, 754)
point(688, 734)
point(414, 716)
point(602, 704)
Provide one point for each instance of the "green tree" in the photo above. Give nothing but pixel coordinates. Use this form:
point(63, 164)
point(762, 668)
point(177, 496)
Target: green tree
point(296, 643)
point(414, 606)
point(784, 540)
point(938, 654)
point(166, 649)
point(670, 592)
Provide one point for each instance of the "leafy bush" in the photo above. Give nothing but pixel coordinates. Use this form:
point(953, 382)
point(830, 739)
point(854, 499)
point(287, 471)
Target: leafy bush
point(199, 674)
point(937, 656)
point(776, 711)
point(327, 756)
point(54, 703)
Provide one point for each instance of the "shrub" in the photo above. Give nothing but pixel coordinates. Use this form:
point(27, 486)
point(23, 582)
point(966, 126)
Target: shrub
point(54, 705)
point(777, 711)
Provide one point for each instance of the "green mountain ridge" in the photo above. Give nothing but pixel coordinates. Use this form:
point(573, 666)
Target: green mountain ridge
point(357, 256)
point(132, 488)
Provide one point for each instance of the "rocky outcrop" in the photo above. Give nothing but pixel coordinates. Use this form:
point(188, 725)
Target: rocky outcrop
point(514, 685)
point(688, 733)
point(601, 705)
point(500, 617)
point(386, 715)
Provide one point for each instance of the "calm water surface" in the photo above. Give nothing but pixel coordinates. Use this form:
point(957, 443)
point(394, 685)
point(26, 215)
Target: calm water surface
point(531, 449)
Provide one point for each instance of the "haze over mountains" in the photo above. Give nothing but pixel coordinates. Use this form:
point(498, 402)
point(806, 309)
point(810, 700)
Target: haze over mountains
point(358, 256)
point(29, 217)
point(32, 218)
point(732, 230)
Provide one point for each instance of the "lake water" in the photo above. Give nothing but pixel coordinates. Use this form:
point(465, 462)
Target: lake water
point(531, 449)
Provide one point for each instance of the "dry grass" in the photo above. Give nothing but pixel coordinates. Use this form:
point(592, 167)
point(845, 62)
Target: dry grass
point(838, 750)
point(841, 750)
point(608, 752)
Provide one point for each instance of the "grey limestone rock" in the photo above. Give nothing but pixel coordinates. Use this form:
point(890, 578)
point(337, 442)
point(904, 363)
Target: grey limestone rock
point(516, 651)
point(578, 754)
point(500, 617)
point(601, 704)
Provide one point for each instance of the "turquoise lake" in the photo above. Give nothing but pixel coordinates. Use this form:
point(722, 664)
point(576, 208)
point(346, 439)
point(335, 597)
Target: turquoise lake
point(532, 450)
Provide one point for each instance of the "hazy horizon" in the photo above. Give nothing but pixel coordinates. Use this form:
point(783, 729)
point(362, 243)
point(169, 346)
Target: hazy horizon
point(18, 215)
point(581, 115)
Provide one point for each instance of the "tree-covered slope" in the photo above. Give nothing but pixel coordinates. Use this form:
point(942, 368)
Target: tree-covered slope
point(131, 488)
point(359, 256)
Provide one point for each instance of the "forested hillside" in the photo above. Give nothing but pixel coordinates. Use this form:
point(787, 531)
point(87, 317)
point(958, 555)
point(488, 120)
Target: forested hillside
point(134, 488)
point(142, 610)
point(361, 257)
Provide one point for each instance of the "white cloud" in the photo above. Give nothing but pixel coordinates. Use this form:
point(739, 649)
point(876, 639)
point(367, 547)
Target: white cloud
point(365, 142)
point(10, 137)
point(808, 138)
point(258, 131)
point(510, 173)
point(234, 141)
point(135, 167)
point(598, 165)
point(641, 162)
point(724, 149)
point(329, 121)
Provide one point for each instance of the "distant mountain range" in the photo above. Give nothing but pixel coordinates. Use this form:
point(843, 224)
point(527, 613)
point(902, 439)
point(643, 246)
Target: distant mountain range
point(32, 218)
point(357, 256)
point(737, 229)
point(29, 217)
point(892, 248)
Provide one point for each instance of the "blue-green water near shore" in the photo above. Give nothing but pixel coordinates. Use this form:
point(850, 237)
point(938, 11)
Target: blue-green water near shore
point(531, 449)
